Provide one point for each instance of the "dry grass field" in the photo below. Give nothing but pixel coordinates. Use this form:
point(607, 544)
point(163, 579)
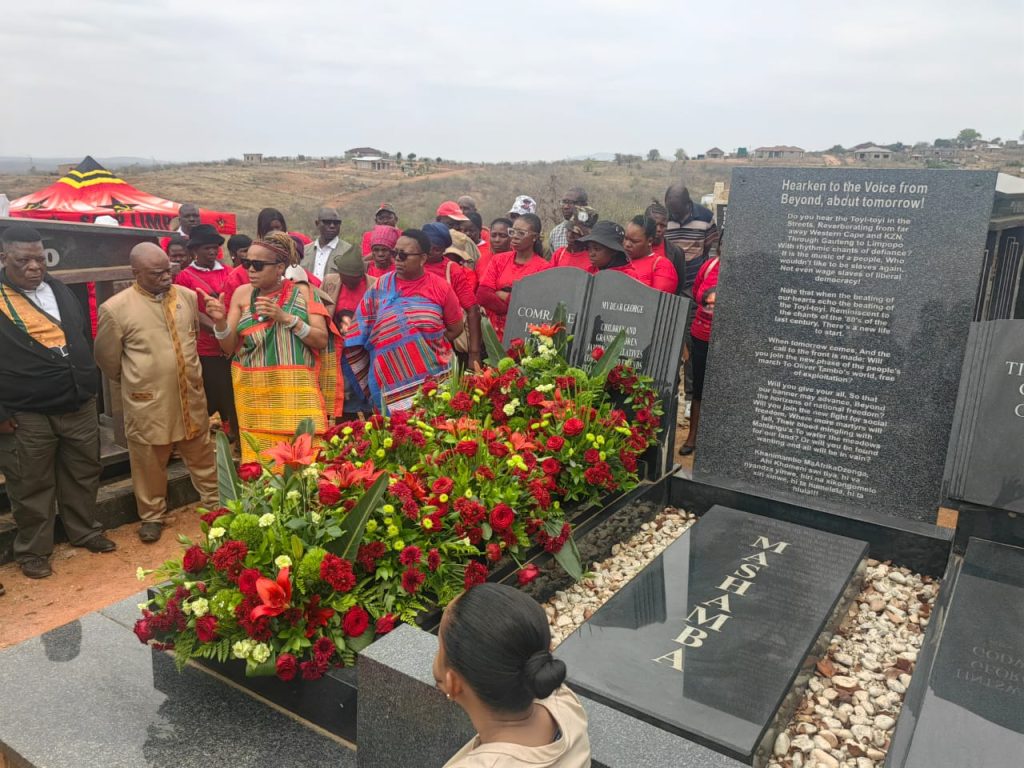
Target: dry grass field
point(297, 189)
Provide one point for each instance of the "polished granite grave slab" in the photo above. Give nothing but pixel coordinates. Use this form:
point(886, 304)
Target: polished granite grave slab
point(715, 639)
point(535, 298)
point(965, 705)
point(89, 695)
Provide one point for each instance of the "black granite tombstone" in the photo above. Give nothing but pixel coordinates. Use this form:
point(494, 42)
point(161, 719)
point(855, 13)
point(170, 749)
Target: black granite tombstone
point(652, 321)
point(844, 302)
point(716, 638)
point(965, 705)
point(985, 464)
point(535, 298)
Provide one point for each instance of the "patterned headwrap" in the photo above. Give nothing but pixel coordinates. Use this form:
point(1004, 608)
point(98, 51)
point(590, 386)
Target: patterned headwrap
point(384, 235)
point(281, 245)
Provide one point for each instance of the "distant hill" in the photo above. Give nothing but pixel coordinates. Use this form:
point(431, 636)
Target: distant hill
point(25, 164)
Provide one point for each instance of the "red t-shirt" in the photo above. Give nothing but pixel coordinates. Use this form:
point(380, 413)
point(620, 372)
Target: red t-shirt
point(210, 282)
point(657, 272)
point(563, 257)
point(237, 277)
point(705, 282)
point(461, 279)
point(501, 274)
point(436, 290)
point(374, 271)
point(347, 303)
point(485, 257)
point(366, 243)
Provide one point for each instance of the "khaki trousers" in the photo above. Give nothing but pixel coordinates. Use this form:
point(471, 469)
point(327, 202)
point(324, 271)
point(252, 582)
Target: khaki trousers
point(149, 474)
point(51, 463)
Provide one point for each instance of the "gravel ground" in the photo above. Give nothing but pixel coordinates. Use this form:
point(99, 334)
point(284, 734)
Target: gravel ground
point(853, 701)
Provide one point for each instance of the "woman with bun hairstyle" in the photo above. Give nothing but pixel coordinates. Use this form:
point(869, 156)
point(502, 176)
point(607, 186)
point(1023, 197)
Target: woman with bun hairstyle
point(493, 660)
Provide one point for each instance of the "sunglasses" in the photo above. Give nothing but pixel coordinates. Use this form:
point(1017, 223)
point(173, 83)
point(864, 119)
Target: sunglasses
point(403, 255)
point(256, 265)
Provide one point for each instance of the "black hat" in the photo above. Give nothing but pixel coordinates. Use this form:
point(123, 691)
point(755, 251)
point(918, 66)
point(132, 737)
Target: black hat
point(608, 234)
point(204, 234)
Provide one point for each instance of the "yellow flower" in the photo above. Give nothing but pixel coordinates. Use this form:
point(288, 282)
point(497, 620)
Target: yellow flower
point(443, 498)
point(336, 441)
point(590, 436)
point(469, 493)
point(427, 523)
point(380, 453)
point(388, 442)
point(600, 439)
point(346, 431)
point(476, 398)
point(371, 526)
point(446, 396)
point(392, 531)
point(389, 509)
point(398, 546)
point(603, 455)
point(367, 426)
point(388, 520)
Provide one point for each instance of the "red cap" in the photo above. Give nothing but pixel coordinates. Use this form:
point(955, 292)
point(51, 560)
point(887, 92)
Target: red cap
point(452, 211)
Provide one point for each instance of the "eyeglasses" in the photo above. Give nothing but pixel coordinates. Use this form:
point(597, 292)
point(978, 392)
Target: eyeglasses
point(256, 265)
point(402, 255)
point(519, 232)
point(567, 201)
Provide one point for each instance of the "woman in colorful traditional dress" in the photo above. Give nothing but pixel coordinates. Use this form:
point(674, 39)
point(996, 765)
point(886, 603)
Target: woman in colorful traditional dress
point(401, 333)
point(506, 269)
point(285, 365)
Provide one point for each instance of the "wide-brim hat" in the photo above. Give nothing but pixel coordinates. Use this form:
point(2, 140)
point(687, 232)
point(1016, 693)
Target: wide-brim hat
point(204, 234)
point(606, 233)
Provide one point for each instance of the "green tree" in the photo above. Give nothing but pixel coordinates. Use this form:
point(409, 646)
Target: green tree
point(680, 154)
point(653, 155)
point(943, 143)
point(967, 135)
point(398, 155)
point(412, 155)
point(836, 150)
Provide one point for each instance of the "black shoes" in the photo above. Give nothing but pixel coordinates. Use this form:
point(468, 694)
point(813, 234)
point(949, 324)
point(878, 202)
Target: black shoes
point(686, 450)
point(36, 567)
point(151, 532)
point(100, 544)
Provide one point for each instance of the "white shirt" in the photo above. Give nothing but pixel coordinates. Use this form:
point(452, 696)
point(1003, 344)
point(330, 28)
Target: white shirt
point(43, 298)
point(216, 266)
point(322, 255)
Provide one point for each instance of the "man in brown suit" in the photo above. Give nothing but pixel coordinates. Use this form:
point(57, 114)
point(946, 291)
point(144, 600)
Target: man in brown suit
point(146, 341)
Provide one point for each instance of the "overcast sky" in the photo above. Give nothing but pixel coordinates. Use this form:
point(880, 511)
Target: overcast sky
point(179, 80)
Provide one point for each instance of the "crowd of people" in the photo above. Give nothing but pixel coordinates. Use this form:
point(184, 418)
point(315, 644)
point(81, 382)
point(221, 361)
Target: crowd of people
point(268, 331)
point(282, 328)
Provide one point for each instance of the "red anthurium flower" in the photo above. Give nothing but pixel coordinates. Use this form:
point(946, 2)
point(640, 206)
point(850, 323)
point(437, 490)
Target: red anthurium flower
point(521, 442)
point(276, 595)
point(295, 455)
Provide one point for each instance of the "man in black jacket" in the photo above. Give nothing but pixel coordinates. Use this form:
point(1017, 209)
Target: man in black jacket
point(49, 436)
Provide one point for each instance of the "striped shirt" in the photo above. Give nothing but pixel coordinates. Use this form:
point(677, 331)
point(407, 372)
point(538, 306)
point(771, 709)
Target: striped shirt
point(696, 237)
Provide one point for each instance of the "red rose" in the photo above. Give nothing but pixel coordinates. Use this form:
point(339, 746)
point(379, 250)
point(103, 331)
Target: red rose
point(502, 517)
point(143, 631)
point(476, 573)
point(329, 493)
point(555, 443)
point(535, 397)
point(411, 555)
point(250, 471)
point(551, 466)
point(592, 456)
point(428, 387)
point(573, 427)
point(194, 559)
point(206, 628)
point(527, 573)
point(356, 621)
point(442, 485)
point(209, 517)
point(494, 552)
point(287, 666)
point(433, 560)
point(385, 624)
point(597, 353)
point(411, 580)
point(337, 572)
point(497, 450)
point(247, 581)
point(484, 473)
point(467, 448)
